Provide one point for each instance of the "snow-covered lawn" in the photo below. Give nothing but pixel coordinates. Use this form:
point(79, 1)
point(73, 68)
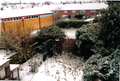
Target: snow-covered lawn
point(70, 33)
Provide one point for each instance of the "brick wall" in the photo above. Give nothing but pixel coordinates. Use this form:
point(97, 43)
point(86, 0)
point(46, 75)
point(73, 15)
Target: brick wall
point(88, 13)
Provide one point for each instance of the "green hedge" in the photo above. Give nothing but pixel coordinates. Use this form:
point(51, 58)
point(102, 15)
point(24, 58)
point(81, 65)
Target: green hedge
point(51, 32)
point(69, 24)
point(79, 15)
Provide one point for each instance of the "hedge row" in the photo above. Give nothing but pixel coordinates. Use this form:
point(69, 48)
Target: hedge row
point(69, 24)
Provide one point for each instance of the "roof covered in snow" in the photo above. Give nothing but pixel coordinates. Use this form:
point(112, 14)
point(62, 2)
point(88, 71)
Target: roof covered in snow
point(23, 12)
point(3, 61)
point(84, 6)
point(44, 9)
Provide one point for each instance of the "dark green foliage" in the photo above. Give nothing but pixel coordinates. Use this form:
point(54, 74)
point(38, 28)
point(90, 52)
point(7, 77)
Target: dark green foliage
point(103, 36)
point(51, 32)
point(79, 15)
point(111, 2)
point(83, 41)
point(103, 68)
point(109, 27)
point(69, 24)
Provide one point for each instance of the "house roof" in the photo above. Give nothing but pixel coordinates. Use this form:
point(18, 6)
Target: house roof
point(23, 12)
point(3, 61)
point(84, 6)
point(45, 9)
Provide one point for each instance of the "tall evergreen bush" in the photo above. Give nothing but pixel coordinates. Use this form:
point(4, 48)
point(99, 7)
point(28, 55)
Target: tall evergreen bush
point(51, 32)
point(103, 35)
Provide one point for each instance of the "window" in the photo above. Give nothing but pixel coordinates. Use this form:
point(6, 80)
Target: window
point(20, 18)
point(25, 17)
point(73, 11)
point(36, 16)
point(92, 10)
point(5, 20)
point(92, 16)
point(83, 11)
point(65, 11)
point(13, 19)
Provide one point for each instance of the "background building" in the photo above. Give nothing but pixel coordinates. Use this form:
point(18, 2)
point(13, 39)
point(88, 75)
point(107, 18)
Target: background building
point(90, 9)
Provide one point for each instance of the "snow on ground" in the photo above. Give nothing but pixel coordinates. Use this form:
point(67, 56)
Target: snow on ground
point(89, 19)
point(35, 31)
point(70, 33)
point(53, 69)
point(6, 54)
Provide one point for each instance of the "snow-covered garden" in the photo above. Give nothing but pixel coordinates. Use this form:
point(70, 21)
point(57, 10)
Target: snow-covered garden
point(64, 67)
point(57, 68)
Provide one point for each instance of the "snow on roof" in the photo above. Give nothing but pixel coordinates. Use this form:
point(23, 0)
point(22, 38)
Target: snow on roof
point(13, 66)
point(44, 9)
point(23, 12)
point(22, 5)
point(84, 6)
point(3, 61)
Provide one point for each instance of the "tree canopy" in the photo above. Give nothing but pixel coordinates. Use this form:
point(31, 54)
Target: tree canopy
point(79, 15)
point(111, 2)
point(102, 36)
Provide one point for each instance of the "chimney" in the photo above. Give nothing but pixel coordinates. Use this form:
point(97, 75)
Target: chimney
point(99, 2)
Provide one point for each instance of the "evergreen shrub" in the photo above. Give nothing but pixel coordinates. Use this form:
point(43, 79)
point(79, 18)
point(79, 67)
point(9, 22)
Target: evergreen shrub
point(79, 15)
point(101, 36)
point(51, 32)
point(103, 68)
